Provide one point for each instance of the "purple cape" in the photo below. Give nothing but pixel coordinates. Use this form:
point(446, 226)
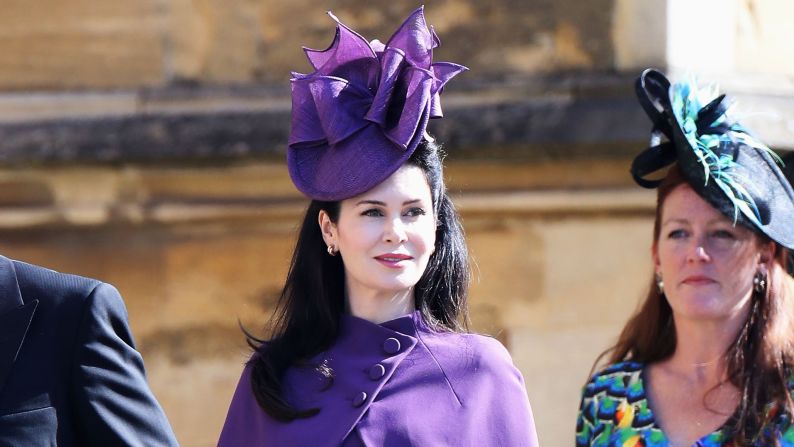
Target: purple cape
point(396, 384)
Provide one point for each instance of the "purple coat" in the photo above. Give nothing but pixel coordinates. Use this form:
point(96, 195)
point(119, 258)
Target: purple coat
point(399, 383)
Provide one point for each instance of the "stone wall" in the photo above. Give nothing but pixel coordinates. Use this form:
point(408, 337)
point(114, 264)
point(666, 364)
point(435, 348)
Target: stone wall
point(78, 44)
point(90, 44)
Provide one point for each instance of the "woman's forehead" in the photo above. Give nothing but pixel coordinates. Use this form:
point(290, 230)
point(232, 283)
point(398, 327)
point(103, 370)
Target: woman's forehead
point(407, 183)
point(684, 204)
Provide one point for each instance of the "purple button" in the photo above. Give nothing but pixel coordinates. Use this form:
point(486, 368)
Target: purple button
point(377, 371)
point(359, 399)
point(391, 346)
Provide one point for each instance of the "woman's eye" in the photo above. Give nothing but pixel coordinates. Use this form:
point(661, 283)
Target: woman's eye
point(723, 234)
point(677, 234)
point(372, 212)
point(415, 212)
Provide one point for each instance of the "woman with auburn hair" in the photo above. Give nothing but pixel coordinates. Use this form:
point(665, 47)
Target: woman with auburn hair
point(369, 343)
point(708, 358)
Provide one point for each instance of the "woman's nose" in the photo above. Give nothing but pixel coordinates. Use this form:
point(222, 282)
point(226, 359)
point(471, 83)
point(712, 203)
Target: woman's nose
point(394, 231)
point(697, 251)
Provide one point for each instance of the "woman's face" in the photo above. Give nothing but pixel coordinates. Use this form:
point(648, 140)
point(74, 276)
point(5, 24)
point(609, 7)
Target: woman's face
point(707, 264)
point(385, 235)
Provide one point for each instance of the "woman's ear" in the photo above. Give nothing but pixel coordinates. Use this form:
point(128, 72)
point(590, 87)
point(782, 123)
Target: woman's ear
point(767, 254)
point(655, 257)
point(327, 228)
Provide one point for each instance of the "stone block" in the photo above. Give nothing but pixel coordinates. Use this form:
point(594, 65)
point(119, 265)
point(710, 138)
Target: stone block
point(604, 257)
point(215, 40)
point(54, 44)
point(22, 191)
point(235, 183)
point(224, 276)
point(555, 363)
point(207, 384)
point(763, 36)
point(511, 36)
point(639, 34)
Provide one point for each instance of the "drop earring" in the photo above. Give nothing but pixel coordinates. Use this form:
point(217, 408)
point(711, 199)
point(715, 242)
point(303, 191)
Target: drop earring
point(660, 284)
point(759, 282)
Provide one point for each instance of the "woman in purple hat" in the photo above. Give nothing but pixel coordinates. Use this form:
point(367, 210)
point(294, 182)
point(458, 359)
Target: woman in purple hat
point(369, 344)
point(708, 359)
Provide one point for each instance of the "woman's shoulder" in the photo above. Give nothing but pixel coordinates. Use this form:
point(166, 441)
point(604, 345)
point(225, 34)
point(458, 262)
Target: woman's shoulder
point(461, 354)
point(620, 369)
point(466, 347)
point(478, 368)
point(621, 380)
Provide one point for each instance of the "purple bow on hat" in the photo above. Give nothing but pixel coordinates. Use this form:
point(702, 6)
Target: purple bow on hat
point(363, 111)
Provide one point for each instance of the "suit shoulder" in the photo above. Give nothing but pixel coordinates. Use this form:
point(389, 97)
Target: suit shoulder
point(30, 274)
point(54, 288)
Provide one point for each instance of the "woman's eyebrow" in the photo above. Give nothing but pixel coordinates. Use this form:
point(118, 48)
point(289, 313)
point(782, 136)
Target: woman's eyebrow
point(378, 202)
point(370, 202)
point(679, 220)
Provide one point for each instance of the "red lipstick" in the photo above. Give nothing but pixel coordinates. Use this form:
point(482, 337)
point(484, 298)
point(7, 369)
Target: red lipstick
point(392, 260)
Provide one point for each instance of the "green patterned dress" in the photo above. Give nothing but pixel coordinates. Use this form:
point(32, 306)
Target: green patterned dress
point(615, 413)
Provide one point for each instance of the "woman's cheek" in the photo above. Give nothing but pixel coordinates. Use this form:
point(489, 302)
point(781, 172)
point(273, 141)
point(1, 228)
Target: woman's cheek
point(428, 235)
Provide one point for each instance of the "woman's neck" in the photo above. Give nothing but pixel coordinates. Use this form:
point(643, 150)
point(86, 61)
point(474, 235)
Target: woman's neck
point(380, 306)
point(701, 346)
point(690, 392)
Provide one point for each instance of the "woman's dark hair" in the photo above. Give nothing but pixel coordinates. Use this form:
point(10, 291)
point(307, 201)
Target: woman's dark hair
point(306, 319)
point(759, 360)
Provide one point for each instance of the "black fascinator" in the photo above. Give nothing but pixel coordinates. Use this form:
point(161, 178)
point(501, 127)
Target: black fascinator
point(721, 160)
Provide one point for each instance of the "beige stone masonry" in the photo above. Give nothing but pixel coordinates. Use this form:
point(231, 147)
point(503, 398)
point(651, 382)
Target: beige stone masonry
point(94, 196)
point(81, 43)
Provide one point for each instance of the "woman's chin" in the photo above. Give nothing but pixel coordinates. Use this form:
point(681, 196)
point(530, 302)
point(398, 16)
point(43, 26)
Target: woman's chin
point(395, 287)
point(701, 306)
point(394, 283)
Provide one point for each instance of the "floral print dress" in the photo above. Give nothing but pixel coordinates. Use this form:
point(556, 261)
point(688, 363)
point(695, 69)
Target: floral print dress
point(614, 413)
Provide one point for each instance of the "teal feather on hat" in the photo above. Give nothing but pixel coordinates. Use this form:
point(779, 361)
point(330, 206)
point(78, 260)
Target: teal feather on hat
point(688, 102)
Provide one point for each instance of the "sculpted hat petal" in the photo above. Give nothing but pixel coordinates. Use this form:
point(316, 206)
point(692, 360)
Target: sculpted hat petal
point(360, 115)
point(724, 164)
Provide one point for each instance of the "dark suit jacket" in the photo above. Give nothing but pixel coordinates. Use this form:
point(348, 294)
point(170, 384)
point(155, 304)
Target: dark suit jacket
point(69, 371)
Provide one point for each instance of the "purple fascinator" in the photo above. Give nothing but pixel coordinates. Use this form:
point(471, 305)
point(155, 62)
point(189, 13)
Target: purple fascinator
point(360, 115)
